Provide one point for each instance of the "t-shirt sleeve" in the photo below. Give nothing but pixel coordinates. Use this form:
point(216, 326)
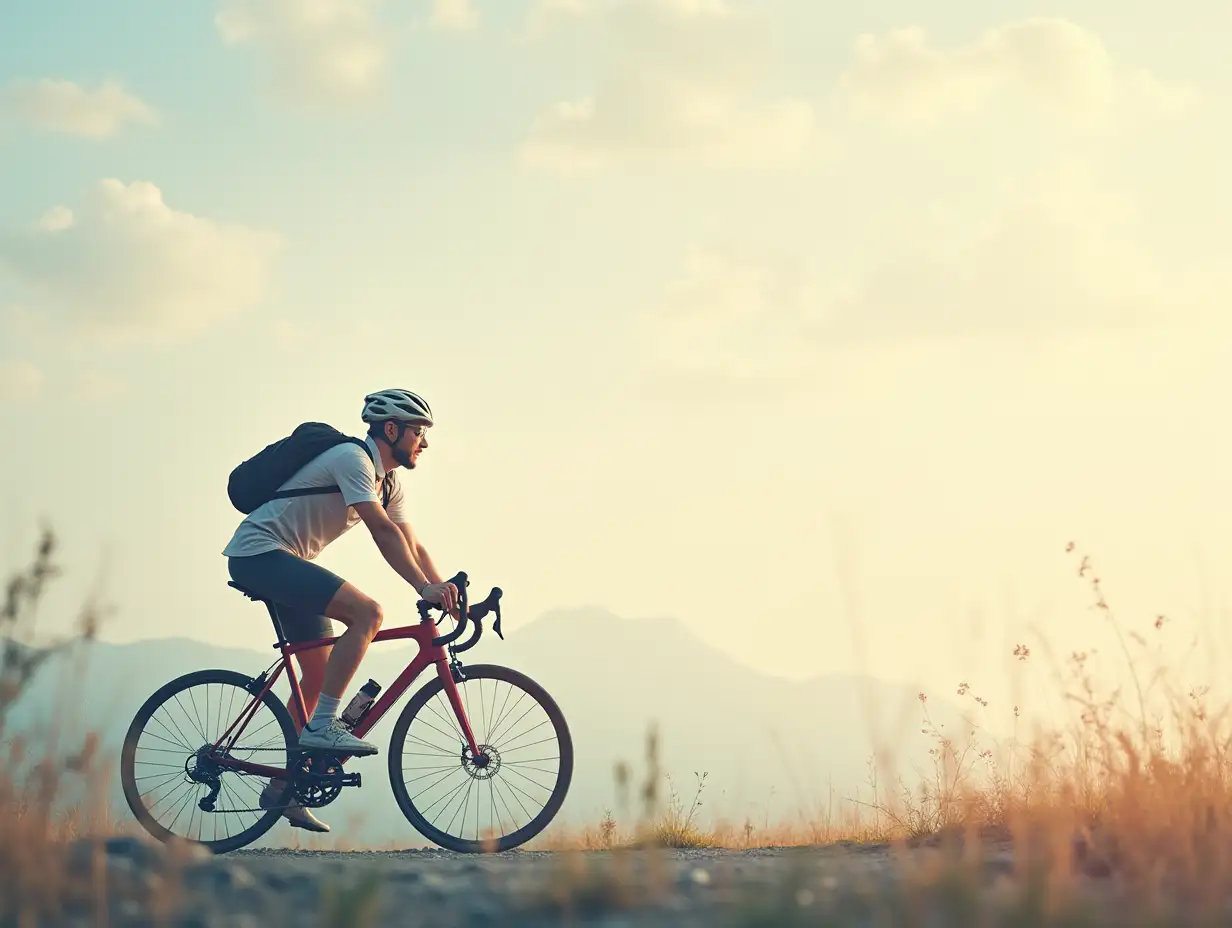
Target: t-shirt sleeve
point(397, 504)
point(352, 470)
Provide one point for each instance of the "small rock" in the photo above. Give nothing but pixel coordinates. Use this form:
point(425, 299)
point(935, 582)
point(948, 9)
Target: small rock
point(484, 913)
point(197, 920)
point(141, 851)
point(188, 853)
point(998, 864)
point(233, 876)
point(277, 882)
point(222, 876)
point(122, 853)
point(130, 908)
point(700, 877)
point(433, 880)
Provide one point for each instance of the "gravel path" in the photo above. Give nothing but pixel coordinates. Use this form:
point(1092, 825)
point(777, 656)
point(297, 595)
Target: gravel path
point(712, 888)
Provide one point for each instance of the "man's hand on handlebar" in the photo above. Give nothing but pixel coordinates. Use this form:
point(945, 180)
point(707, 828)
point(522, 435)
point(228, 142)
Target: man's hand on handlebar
point(443, 594)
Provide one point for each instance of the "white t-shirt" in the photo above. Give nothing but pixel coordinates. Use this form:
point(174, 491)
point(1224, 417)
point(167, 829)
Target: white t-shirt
point(303, 525)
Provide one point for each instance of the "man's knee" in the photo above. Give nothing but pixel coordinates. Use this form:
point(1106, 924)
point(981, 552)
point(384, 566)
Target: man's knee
point(356, 611)
point(370, 617)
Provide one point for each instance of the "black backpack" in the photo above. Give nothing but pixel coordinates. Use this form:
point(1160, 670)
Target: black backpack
point(257, 480)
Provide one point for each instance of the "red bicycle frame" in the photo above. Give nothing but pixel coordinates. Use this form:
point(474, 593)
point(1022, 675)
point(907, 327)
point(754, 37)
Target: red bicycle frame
point(429, 653)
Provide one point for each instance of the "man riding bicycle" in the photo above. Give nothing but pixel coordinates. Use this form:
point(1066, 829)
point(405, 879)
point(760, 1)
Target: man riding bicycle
point(273, 551)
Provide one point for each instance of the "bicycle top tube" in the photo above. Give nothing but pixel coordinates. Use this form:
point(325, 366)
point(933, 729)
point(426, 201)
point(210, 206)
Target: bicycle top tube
point(475, 614)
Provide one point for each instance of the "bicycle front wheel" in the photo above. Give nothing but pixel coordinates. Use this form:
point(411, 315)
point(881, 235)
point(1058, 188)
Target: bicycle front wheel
point(511, 791)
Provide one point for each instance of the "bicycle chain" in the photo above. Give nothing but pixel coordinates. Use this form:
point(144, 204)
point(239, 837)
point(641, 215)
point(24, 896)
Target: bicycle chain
point(245, 773)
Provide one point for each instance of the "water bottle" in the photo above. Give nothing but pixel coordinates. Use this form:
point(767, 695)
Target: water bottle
point(357, 708)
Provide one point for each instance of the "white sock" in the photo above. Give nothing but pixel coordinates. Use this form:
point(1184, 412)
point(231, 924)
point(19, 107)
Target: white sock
point(326, 711)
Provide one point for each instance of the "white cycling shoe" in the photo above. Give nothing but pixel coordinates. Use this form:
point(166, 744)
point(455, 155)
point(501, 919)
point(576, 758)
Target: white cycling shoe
point(294, 813)
point(335, 738)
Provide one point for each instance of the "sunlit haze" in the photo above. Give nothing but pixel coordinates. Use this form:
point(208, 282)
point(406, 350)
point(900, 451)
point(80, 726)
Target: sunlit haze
point(823, 330)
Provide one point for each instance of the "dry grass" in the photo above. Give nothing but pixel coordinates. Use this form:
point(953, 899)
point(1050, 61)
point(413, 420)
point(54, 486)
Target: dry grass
point(1133, 794)
point(52, 787)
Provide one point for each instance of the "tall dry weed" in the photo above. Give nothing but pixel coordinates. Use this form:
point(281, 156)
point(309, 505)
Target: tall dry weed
point(40, 766)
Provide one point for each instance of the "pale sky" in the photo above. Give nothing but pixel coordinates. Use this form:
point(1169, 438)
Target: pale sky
point(785, 320)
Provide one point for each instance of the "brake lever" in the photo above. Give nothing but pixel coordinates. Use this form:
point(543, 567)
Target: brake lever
point(496, 624)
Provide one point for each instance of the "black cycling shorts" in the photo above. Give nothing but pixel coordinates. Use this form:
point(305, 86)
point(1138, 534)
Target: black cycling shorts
point(299, 589)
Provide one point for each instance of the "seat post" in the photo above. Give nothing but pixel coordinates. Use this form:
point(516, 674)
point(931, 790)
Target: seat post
point(273, 612)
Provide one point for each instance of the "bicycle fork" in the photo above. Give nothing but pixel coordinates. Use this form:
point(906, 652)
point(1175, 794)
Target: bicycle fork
point(446, 672)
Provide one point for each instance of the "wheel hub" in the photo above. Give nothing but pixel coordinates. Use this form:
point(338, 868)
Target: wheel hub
point(200, 767)
point(484, 765)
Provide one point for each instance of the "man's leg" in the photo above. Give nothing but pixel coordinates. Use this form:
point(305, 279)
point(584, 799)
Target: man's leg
point(301, 626)
point(362, 617)
point(311, 676)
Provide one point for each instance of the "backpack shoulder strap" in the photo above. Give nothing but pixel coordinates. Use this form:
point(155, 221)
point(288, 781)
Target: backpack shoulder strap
point(386, 481)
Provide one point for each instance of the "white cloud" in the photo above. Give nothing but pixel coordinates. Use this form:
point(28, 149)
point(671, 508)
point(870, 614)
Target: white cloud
point(19, 380)
point(542, 15)
point(454, 16)
point(734, 312)
point(318, 50)
point(1061, 257)
point(96, 387)
point(65, 107)
point(129, 267)
point(904, 79)
point(682, 85)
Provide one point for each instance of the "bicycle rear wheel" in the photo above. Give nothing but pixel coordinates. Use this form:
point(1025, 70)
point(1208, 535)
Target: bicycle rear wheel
point(508, 794)
point(165, 776)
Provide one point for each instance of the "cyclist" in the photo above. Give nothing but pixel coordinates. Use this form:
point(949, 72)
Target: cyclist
point(273, 552)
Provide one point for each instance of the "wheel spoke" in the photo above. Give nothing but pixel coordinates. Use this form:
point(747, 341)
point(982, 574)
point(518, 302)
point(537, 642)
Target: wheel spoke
point(448, 797)
point(452, 771)
point(449, 719)
point(507, 744)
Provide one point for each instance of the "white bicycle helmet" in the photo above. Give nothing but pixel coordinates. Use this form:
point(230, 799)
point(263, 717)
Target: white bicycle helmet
point(399, 405)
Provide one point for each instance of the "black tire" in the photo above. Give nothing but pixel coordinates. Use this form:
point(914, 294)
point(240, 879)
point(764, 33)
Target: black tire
point(172, 692)
point(475, 676)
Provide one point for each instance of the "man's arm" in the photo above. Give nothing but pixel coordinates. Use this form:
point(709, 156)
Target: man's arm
point(393, 545)
point(419, 552)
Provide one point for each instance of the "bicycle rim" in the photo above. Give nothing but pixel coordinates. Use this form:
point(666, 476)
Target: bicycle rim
point(159, 758)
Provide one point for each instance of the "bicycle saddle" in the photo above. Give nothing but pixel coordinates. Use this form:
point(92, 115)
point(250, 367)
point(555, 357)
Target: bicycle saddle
point(249, 593)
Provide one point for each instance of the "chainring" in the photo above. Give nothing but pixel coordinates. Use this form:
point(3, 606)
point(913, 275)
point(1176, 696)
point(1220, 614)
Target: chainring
point(318, 780)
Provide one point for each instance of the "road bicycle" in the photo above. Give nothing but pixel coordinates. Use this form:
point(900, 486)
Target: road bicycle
point(480, 759)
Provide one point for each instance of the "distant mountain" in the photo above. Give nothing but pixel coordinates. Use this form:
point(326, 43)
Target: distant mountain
point(757, 737)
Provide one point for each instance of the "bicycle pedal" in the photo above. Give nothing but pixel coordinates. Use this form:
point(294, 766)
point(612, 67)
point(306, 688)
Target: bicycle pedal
point(324, 756)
